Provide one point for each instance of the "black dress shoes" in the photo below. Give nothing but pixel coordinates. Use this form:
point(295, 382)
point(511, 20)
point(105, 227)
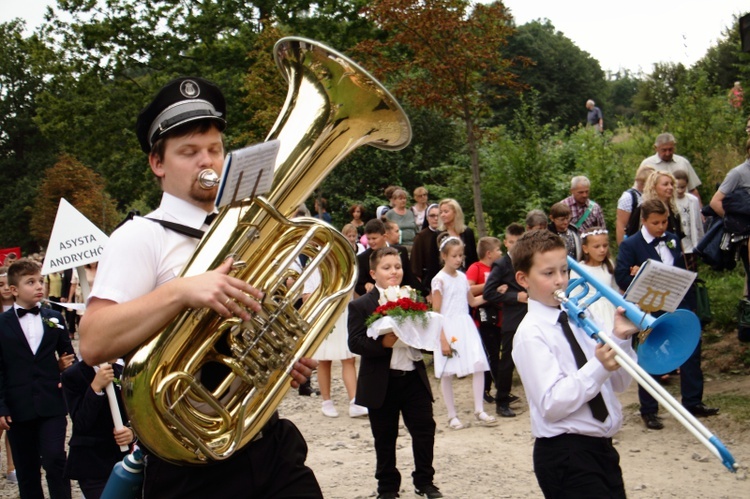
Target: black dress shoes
point(702, 411)
point(652, 421)
point(504, 411)
point(489, 398)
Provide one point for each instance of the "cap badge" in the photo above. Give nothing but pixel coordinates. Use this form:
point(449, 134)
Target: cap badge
point(189, 89)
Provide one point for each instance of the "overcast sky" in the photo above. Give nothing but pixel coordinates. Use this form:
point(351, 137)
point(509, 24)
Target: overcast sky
point(633, 34)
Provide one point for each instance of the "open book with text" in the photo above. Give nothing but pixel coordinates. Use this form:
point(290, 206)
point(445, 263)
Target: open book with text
point(658, 286)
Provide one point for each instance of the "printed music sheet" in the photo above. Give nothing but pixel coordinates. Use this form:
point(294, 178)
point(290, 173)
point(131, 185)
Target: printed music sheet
point(658, 286)
point(247, 172)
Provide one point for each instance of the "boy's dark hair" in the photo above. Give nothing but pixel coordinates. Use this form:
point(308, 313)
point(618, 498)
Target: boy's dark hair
point(559, 209)
point(20, 268)
point(531, 243)
point(374, 226)
point(378, 255)
point(487, 244)
point(515, 229)
point(653, 206)
point(189, 128)
point(680, 175)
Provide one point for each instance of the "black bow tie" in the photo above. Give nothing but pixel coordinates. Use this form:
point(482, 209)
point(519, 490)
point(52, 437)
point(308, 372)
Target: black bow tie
point(658, 240)
point(23, 311)
point(210, 218)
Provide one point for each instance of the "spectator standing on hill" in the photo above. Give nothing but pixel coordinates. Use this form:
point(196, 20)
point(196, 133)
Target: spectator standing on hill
point(584, 212)
point(594, 117)
point(666, 160)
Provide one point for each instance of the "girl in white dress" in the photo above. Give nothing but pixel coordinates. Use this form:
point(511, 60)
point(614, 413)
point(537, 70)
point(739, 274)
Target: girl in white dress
point(595, 246)
point(461, 352)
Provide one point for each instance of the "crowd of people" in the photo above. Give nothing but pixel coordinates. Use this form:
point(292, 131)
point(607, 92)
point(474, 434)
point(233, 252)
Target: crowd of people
point(499, 313)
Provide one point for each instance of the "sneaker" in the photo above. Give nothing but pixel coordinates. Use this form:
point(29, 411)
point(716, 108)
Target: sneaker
point(12, 477)
point(489, 398)
point(328, 409)
point(513, 398)
point(356, 411)
point(485, 419)
point(455, 424)
point(306, 390)
point(429, 491)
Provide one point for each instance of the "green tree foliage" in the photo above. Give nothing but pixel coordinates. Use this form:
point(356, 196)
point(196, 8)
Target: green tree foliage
point(622, 86)
point(24, 152)
point(564, 76)
point(82, 188)
point(659, 90)
point(443, 54)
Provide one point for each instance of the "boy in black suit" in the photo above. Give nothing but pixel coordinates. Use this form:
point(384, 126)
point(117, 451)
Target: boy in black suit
point(390, 383)
point(513, 300)
point(31, 403)
point(95, 444)
point(654, 242)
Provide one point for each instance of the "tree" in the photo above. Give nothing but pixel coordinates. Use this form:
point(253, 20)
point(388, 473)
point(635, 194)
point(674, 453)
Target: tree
point(81, 187)
point(439, 55)
point(564, 76)
point(24, 152)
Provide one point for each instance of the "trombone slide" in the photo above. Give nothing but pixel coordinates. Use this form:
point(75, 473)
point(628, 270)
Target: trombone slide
point(704, 436)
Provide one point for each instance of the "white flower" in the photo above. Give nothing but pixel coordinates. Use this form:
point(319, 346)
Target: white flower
point(406, 292)
point(54, 320)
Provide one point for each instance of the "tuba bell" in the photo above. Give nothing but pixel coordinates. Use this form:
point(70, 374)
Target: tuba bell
point(204, 386)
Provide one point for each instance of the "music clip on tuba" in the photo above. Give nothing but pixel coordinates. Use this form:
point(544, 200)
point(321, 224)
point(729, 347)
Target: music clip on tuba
point(671, 339)
point(204, 386)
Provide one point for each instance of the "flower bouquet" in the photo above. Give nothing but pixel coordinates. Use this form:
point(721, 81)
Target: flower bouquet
point(401, 313)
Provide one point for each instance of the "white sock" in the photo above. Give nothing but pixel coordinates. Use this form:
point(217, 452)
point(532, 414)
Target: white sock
point(477, 383)
point(446, 386)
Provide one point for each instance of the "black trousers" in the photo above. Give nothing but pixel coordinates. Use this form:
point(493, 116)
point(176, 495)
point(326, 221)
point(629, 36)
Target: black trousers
point(491, 339)
point(40, 442)
point(408, 396)
point(504, 378)
point(691, 385)
point(578, 467)
point(272, 467)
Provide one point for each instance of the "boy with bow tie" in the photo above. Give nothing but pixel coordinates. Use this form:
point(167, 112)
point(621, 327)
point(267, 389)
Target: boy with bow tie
point(34, 348)
point(654, 242)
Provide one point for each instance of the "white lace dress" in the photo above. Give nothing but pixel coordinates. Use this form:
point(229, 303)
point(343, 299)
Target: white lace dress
point(458, 325)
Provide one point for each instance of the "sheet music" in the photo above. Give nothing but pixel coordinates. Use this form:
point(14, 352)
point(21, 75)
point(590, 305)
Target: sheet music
point(255, 165)
point(657, 281)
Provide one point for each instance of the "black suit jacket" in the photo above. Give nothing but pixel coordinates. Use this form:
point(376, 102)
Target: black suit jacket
point(363, 263)
point(502, 272)
point(93, 451)
point(375, 363)
point(635, 251)
point(29, 382)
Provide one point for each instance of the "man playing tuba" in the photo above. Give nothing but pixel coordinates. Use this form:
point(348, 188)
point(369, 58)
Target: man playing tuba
point(181, 131)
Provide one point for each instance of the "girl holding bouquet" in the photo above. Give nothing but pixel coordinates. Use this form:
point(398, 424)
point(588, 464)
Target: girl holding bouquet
point(461, 352)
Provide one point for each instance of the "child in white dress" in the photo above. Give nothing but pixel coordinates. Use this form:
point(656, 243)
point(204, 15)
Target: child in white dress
point(461, 352)
point(595, 246)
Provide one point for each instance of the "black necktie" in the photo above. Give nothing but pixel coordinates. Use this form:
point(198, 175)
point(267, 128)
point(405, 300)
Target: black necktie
point(210, 218)
point(23, 311)
point(597, 405)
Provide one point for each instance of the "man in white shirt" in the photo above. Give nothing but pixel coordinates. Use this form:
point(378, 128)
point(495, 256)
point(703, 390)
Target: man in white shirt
point(137, 292)
point(666, 160)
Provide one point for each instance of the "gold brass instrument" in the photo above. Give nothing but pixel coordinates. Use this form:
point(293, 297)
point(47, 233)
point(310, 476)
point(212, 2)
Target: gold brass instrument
point(180, 408)
point(672, 339)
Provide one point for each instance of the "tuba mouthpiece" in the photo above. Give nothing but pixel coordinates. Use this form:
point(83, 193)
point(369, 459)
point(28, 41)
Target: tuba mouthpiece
point(208, 178)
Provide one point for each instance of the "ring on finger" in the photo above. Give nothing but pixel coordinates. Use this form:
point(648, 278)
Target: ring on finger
point(226, 303)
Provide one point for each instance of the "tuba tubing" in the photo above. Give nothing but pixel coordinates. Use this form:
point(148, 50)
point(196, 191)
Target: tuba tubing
point(670, 339)
point(695, 427)
point(204, 386)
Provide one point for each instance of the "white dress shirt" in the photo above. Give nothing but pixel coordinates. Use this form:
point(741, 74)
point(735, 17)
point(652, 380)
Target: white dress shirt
point(127, 271)
point(664, 253)
point(33, 329)
point(557, 390)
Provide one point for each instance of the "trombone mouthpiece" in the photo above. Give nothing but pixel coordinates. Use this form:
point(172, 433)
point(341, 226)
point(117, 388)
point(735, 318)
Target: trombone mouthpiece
point(208, 179)
point(560, 296)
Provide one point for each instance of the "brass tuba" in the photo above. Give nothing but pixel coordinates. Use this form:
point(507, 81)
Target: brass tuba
point(177, 410)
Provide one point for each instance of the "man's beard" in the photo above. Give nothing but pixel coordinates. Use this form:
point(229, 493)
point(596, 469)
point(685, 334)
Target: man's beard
point(198, 193)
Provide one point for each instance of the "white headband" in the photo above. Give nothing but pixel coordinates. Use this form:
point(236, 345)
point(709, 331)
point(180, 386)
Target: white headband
point(445, 241)
point(596, 232)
